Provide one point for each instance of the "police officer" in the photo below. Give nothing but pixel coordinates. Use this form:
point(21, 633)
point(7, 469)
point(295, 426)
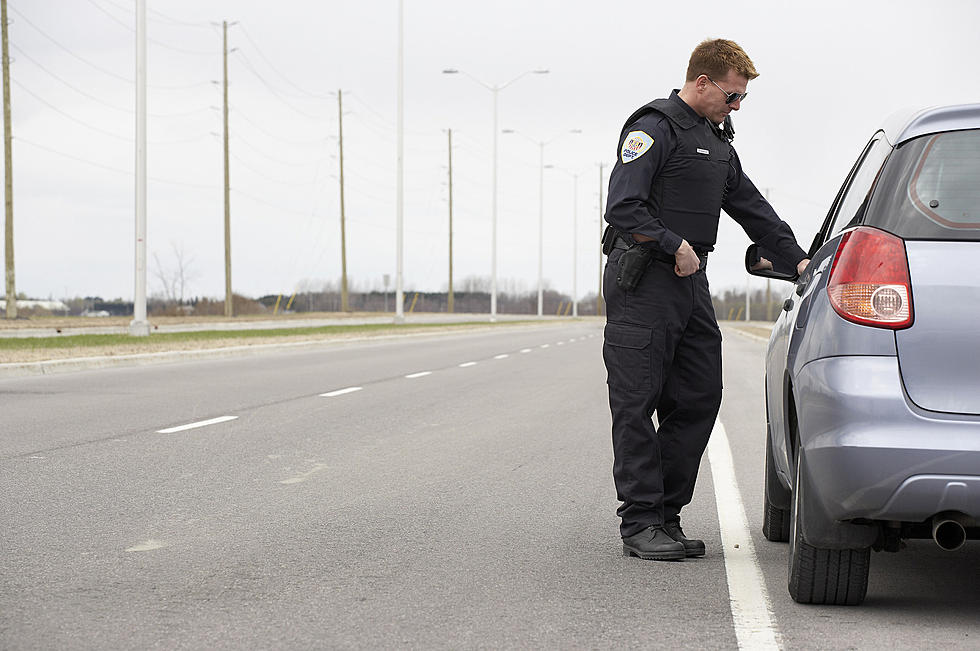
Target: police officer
point(676, 171)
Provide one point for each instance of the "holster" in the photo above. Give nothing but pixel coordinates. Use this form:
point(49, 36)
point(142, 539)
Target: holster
point(632, 265)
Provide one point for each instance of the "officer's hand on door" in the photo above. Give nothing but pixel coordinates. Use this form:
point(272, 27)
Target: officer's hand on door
point(686, 261)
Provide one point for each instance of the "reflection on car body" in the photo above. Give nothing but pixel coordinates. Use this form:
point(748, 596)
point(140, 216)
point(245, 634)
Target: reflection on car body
point(872, 380)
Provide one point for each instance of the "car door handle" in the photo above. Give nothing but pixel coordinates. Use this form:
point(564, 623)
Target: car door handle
point(788, 305)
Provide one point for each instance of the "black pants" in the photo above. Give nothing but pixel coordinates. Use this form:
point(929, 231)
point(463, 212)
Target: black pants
point(663, 353)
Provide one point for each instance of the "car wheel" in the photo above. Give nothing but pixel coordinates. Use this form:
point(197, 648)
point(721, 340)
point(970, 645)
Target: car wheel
point(822, 576)
point(775, 520)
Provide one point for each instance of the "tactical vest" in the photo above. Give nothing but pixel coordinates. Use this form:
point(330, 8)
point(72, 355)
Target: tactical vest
point(688, 192)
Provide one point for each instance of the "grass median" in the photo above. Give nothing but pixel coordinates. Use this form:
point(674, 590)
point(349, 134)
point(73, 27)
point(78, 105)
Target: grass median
point(30, 349)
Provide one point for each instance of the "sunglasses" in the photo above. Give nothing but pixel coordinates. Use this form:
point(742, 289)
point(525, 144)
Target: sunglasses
point(730, 98)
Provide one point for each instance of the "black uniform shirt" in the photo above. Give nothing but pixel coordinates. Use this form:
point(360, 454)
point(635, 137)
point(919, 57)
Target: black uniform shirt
point(631, 183)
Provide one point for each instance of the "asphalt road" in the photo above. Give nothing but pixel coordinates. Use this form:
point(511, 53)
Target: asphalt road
point(451, 491)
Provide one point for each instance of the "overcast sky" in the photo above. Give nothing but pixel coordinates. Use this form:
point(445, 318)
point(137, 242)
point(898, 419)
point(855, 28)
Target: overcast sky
point(830, 73)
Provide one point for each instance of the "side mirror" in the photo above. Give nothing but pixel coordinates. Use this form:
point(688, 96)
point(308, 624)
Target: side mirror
point(780, 271)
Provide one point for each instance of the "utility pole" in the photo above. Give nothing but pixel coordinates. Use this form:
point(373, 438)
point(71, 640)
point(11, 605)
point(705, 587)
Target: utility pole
point(8, 180)
point(229, 303)
point(344, 304)
point(450, 307)
point(598, 295)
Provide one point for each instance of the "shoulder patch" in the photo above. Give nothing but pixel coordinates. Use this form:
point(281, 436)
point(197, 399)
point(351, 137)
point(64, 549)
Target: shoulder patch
point(635, 145)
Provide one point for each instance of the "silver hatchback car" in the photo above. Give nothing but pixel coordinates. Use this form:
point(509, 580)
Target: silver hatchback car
point(873, 367)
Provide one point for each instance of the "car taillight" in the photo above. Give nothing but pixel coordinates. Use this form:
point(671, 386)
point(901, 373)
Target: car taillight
point(869, 280)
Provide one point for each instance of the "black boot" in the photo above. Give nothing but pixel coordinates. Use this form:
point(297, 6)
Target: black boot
point(653, 544)
point(692, 546)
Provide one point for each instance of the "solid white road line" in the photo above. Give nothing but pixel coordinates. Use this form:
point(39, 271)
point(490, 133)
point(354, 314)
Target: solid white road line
point(751, 608)
point(203, 423)
point(340, 392)
point(467, 364)
point(411, 376)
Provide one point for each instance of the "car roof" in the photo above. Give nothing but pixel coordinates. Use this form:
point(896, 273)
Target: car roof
point(912, 123)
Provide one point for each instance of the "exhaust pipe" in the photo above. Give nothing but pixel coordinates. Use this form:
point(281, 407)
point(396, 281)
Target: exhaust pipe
point(949, 530)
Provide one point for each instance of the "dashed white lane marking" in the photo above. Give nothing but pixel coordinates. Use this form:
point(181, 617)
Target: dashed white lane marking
point(340, 392)
point(525, 350)
point(561, 343)
point(751, 608)
point(147, 546)
point(202, 423)
point(467, 364)
point(412, 376)
point(303, 476)
point(544, 345)
point(504, 356)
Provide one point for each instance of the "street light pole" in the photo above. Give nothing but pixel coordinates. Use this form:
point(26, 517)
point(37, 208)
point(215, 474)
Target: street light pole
point(493, 212)
point(495, 91)
point(541, 228)
point(575, 244)
point(139, 326)
point(400, 182)
point(541, 144)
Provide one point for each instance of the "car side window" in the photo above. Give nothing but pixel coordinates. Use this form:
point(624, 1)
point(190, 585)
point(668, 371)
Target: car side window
point(852, 205)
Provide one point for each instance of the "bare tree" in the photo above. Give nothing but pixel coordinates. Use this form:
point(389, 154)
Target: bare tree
point(175, 279)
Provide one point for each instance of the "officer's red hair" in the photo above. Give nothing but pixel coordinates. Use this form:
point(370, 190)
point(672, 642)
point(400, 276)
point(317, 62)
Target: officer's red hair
point(716, 57)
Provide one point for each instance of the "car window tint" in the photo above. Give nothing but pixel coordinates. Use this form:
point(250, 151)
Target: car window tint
point(931, 188)
point(855, 200)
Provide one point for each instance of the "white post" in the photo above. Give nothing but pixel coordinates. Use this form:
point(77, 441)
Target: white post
point(139, 327)
point(541, 229)
point(493, 210)
point(400, 182)
point(575, 245)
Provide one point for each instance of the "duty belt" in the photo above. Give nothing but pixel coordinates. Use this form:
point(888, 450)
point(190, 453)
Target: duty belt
point(660, 256)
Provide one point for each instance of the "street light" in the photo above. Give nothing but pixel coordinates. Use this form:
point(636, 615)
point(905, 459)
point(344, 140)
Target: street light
point(495, 90)
point(574, 176)
point(541, 144)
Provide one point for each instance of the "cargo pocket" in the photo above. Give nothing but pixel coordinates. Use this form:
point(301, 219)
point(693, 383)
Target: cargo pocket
point(626, 352)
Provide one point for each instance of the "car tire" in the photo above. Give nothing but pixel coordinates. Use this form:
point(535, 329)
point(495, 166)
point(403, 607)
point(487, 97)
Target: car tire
point(836, 577)
point(775, 520)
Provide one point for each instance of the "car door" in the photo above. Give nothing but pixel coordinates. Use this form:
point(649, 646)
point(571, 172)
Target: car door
point(845, 212)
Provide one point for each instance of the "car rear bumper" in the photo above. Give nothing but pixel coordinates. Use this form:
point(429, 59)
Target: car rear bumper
point(872, 454)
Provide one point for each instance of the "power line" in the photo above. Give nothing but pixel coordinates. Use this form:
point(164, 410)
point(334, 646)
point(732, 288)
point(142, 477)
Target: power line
point(95, 66)
point(109, 168)
point(269, 178)
point(130, 28)
point(100, 129)
point(250, 68)
point(268, 62)
point(83, 60)
point(97, 99)
point(315, 141)
point(167, 19)
point(69, 116)
point(260, 152)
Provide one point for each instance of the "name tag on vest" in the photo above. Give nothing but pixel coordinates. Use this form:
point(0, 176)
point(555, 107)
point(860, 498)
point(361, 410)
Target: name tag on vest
point(703, 151)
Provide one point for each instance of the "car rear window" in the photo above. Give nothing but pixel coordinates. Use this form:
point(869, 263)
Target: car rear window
point(930, 188)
